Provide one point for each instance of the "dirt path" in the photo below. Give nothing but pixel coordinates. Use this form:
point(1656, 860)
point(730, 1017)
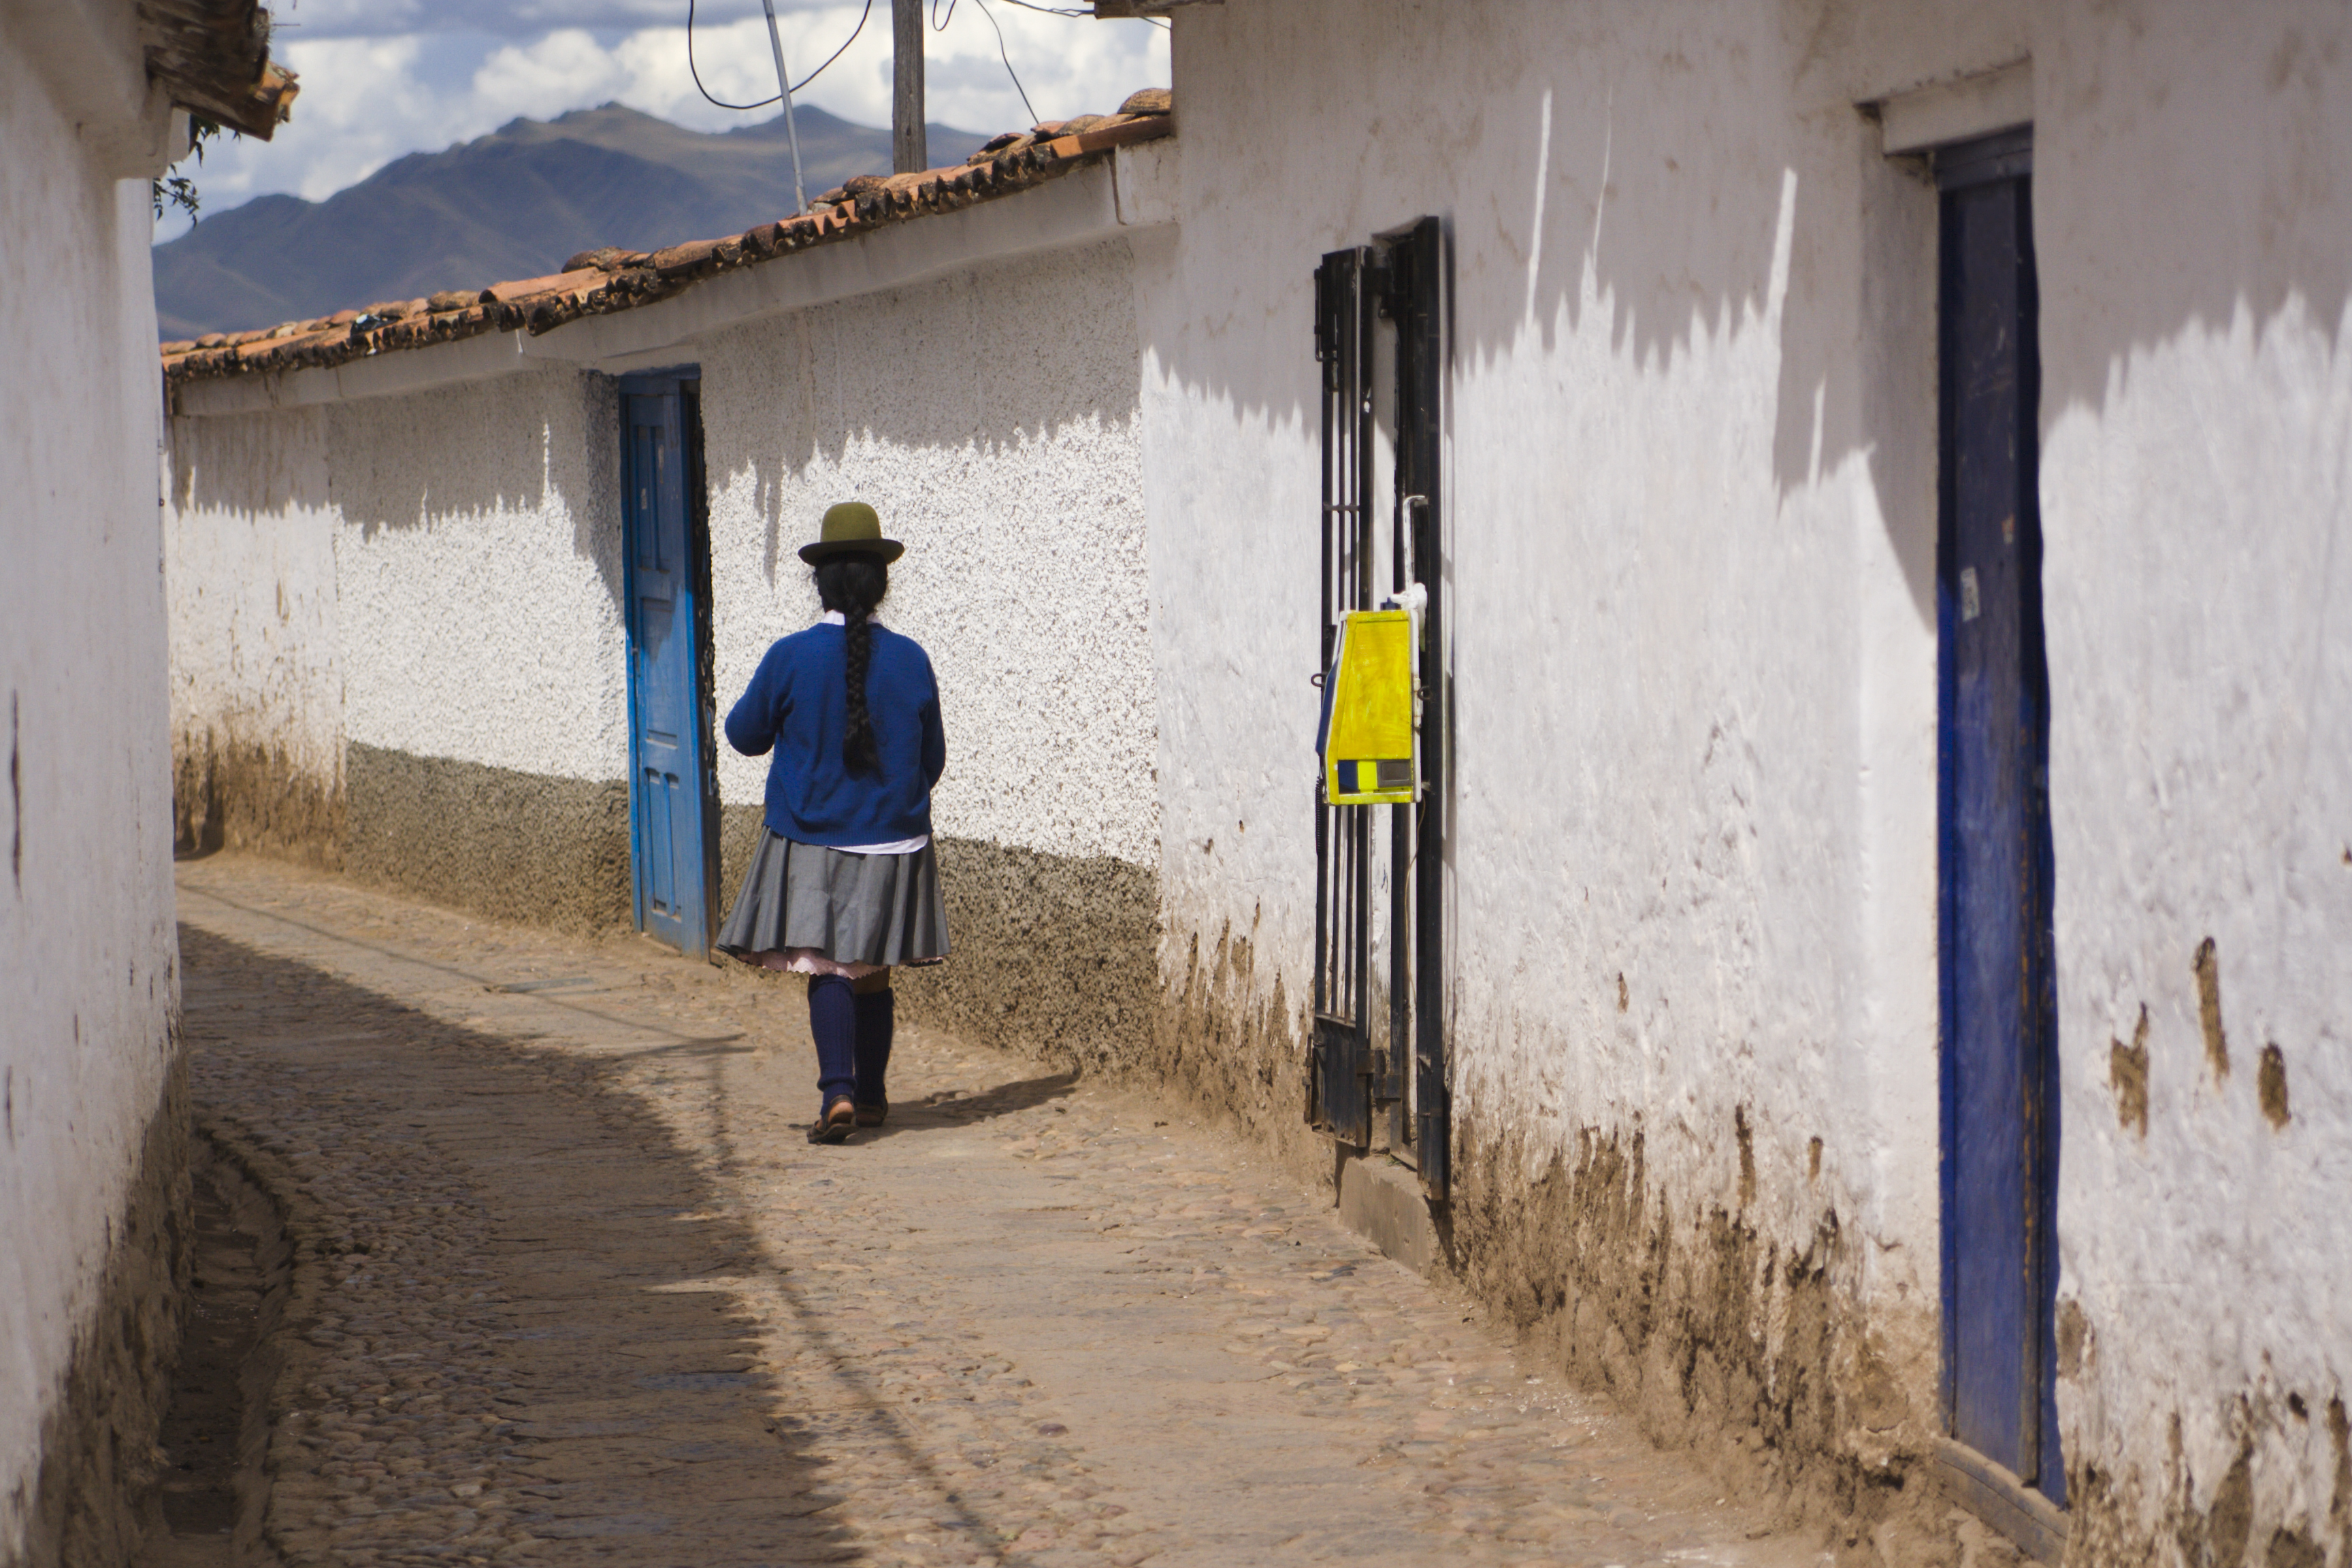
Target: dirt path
point(571, 1286)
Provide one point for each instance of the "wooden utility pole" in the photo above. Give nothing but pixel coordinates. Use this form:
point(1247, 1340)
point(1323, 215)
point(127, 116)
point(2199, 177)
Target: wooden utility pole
point(906, 151)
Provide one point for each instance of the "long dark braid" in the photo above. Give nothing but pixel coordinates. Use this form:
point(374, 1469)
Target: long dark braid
point(855, 585)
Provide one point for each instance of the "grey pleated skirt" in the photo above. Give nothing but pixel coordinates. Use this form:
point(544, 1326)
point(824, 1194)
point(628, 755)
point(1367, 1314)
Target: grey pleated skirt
point(852, 908)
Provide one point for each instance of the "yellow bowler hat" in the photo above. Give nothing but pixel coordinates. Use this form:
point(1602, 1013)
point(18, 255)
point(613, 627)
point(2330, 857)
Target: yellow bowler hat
point(851, 528)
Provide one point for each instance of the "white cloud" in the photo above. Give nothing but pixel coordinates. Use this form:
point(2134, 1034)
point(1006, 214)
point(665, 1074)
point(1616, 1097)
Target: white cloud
point(547, 76)
point(385, 77)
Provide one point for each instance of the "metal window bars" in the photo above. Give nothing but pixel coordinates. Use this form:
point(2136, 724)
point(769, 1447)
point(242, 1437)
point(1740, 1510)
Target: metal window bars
point(1397, 280)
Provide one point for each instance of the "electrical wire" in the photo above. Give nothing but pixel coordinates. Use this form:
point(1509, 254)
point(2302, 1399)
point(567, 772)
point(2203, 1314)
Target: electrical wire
point(778, 98)
point(1007, 58)
point(939, 25)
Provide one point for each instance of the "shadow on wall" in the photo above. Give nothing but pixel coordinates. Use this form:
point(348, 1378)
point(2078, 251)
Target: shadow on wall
point(1695, 177)
point(541, 443)
point(518, 445)
point(2205, 206)
point(965, 370)
point(249, 466)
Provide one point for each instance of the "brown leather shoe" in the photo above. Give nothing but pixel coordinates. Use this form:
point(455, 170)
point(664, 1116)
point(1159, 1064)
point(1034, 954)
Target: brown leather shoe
point(873, 1115)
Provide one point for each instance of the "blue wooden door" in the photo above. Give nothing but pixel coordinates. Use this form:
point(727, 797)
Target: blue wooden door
point(670, 836)
point(2000, 1133)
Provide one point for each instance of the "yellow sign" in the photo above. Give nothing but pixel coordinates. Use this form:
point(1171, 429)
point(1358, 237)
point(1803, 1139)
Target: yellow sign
point(1368, 732)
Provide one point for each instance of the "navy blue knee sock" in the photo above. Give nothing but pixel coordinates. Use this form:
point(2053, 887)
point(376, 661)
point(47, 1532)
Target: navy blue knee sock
point(876, 1012)
point(832, 1022)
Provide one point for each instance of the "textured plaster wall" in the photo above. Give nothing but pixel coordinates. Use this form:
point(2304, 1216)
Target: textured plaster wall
point(1690, 472)
point(257, 678)
point(397, 640)
point(89, 1167)
point(2196, 492)
point(479, 567)
point(992, 418)
point(442, 570)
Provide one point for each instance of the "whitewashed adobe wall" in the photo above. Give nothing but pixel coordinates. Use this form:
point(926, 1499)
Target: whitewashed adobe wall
point(478, 559)
point(1691, 481)
point(991, 418)
point(250, 582)
point(2196, 480)
point(1694, 860)
point(396, 640)
point(411, 603)
point(90, 1157)
point(422, 573)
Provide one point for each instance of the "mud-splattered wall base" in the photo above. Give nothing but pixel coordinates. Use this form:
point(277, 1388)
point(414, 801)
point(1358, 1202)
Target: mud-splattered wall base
point(95, 1446)
point(228, 794)
point(1720, 1340)
point(511, 846)
point(1054, 955)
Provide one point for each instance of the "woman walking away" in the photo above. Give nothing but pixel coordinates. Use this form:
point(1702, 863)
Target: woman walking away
point(845, 883)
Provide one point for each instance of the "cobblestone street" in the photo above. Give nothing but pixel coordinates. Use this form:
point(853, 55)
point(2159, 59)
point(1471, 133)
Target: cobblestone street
point(571, 1286)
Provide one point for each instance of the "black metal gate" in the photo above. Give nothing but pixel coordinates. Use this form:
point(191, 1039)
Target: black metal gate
point(1339, 1089)
point(1359, 1069)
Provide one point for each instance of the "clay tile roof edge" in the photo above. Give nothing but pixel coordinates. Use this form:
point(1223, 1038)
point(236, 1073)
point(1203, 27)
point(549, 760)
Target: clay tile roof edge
point(630, 280)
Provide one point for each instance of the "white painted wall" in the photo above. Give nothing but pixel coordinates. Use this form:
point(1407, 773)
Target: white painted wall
point(251, 589)
point(992, 418)
point(1691, 640)
point(2197, 487)
point(450, 554)
point(478, 573)
point(436, 572)
point(1690, 472)
point(87, 986)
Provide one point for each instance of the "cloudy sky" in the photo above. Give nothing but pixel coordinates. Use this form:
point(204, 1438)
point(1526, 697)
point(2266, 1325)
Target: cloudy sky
point(384, 78)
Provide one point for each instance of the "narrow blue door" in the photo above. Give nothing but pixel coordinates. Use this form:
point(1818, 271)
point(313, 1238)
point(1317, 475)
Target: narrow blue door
point(2000, 1133)
point(669, 835)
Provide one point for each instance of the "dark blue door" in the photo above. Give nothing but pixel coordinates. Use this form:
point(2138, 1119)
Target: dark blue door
point(670, 832)
point(2000, 1133)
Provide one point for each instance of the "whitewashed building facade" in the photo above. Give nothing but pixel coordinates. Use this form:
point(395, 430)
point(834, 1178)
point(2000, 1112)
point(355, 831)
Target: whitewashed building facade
point(92, 1114)
point(1880, 907)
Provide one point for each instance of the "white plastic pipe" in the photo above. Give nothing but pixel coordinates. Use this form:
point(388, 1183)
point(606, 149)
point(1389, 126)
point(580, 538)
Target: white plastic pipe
point(784, 86)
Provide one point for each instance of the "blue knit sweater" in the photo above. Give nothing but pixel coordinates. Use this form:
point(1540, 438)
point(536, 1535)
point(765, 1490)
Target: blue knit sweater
point(798, 703)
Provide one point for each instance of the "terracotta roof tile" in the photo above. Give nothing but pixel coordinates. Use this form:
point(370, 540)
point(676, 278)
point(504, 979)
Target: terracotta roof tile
point(597, 282)
point(499, 293)
point(604, 258)
point(1108, 136)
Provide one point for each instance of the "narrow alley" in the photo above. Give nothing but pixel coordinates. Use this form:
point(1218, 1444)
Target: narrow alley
point(570, 1285)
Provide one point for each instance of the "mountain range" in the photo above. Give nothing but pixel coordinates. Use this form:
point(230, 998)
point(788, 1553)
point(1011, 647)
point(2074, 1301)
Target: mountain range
point(513, 204)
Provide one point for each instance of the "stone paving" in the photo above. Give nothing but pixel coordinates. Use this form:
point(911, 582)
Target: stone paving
point(571, 1286)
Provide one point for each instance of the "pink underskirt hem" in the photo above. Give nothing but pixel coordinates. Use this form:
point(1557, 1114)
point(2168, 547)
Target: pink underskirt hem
point(809, 961)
